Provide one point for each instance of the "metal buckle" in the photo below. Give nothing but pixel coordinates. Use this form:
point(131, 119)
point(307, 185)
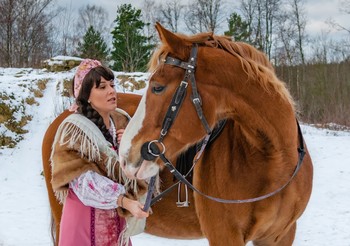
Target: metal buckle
point(184, 83)
point(196, 100)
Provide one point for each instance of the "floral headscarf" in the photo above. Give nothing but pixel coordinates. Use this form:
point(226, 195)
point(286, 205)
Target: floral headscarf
point(85, 66)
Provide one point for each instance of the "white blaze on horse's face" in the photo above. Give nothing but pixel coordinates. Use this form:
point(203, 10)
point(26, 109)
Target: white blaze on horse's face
point(131, 165)
point(130, 131)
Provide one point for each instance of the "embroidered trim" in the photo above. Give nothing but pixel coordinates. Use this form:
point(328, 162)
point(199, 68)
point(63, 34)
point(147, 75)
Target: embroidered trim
point(133, 226)
point(92, 227)
point(117, 221)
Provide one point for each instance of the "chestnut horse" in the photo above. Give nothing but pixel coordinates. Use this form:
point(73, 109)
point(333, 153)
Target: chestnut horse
point(161, 223)
point(255, 158)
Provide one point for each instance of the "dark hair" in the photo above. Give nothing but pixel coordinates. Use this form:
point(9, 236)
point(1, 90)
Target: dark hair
point(93, 78)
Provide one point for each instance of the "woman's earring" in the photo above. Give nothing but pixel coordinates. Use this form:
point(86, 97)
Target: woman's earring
point(89, 101)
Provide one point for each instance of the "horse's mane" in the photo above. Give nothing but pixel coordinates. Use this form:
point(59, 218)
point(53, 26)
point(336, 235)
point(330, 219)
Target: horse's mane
point(254, 62)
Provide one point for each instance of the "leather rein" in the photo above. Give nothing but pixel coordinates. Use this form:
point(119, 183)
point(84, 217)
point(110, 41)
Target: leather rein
point(150, 150)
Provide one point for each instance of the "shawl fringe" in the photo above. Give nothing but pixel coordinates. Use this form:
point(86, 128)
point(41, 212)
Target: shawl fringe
point(82, 135)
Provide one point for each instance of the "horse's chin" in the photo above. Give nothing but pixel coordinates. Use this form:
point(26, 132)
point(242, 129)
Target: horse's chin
point(147, 169)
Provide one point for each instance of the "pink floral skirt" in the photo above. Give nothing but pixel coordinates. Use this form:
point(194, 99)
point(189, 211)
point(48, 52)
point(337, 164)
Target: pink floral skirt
point(83, 225)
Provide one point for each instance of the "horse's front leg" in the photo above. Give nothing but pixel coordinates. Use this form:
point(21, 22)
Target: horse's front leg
point(218, 226)
point(219, 236)
point(285, 239)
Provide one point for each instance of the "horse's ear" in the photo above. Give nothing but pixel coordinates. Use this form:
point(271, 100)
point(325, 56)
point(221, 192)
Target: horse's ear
point(174, 42)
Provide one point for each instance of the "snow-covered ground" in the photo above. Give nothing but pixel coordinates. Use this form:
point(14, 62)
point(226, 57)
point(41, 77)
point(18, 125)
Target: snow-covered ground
point(24, 208)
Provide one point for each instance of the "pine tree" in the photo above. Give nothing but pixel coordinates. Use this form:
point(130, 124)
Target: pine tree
point(238, 29)
point(93, 46)
point(131, 49)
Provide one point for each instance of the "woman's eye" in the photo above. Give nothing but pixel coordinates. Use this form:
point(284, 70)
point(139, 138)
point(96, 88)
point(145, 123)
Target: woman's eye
point(158, 89)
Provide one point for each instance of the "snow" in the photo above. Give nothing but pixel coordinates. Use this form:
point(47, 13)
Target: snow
point(24, 208)
point(60, 60)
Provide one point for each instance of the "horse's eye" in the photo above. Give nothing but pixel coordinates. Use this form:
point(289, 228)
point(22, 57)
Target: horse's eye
point(158, 89)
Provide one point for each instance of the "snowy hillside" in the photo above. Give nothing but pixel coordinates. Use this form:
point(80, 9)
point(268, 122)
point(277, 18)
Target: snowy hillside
point(24, 209)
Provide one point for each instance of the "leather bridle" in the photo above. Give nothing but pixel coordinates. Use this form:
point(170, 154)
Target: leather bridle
point(150, 151)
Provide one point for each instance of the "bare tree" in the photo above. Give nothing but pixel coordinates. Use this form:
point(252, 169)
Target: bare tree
point(63, 33)
point(251, 11)
point(31, 28)
point(204, 15)
point(7, 20)
point(299, 18)
point(92, 15)
point(345, 8)
point(261, 16)
point(291, 22)
point(285, 46)
point(73, 25)
point(340, 49)
point(193, 18)
point(271, 9)
point(248, 10)
point(25, 31)
point(171, 12)
point(150, 15)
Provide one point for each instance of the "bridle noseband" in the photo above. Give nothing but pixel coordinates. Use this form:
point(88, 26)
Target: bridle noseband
point(150, 150)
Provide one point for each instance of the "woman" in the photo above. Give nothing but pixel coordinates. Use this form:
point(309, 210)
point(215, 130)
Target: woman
point(85, 171)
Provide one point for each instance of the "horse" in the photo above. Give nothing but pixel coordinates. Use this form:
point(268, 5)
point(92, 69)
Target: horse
point(164, 213)
point(254, 181)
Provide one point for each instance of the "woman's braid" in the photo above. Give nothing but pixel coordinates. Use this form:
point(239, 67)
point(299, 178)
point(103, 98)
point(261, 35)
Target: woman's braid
point(90, 113)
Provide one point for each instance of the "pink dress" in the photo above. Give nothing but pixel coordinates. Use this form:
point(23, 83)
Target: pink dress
point(87, 219)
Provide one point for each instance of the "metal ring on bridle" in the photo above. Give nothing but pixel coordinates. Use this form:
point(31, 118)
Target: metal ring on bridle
point(150, 150)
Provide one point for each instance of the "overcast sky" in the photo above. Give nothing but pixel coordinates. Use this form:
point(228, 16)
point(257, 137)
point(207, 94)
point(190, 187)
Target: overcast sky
point(317, 11)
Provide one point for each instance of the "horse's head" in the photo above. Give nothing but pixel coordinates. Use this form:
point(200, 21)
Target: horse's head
point(190, 89)
point(147, 123)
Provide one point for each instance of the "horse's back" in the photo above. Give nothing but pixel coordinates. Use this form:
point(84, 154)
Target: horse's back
point(128, 102)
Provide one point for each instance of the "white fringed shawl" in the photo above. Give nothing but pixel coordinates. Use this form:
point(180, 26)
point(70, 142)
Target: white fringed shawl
point(79, 133)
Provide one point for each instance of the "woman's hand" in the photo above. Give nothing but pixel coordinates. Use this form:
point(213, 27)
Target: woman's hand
point(120, 133)
point(134, 207)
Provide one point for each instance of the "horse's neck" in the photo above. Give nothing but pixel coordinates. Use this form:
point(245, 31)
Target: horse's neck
point(265, 121)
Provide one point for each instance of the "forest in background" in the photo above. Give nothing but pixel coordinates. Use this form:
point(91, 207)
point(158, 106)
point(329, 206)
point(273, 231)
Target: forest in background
point(316, 69)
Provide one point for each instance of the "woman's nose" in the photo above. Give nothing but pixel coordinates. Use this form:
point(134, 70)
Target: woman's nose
point(111, 89)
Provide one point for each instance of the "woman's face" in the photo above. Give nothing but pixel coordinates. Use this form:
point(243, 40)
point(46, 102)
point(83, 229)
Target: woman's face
point(103, 98)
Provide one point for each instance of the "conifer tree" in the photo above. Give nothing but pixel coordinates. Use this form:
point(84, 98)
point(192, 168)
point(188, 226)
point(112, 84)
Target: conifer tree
point(131, 49)
point(93, 46)
point(238, 29)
